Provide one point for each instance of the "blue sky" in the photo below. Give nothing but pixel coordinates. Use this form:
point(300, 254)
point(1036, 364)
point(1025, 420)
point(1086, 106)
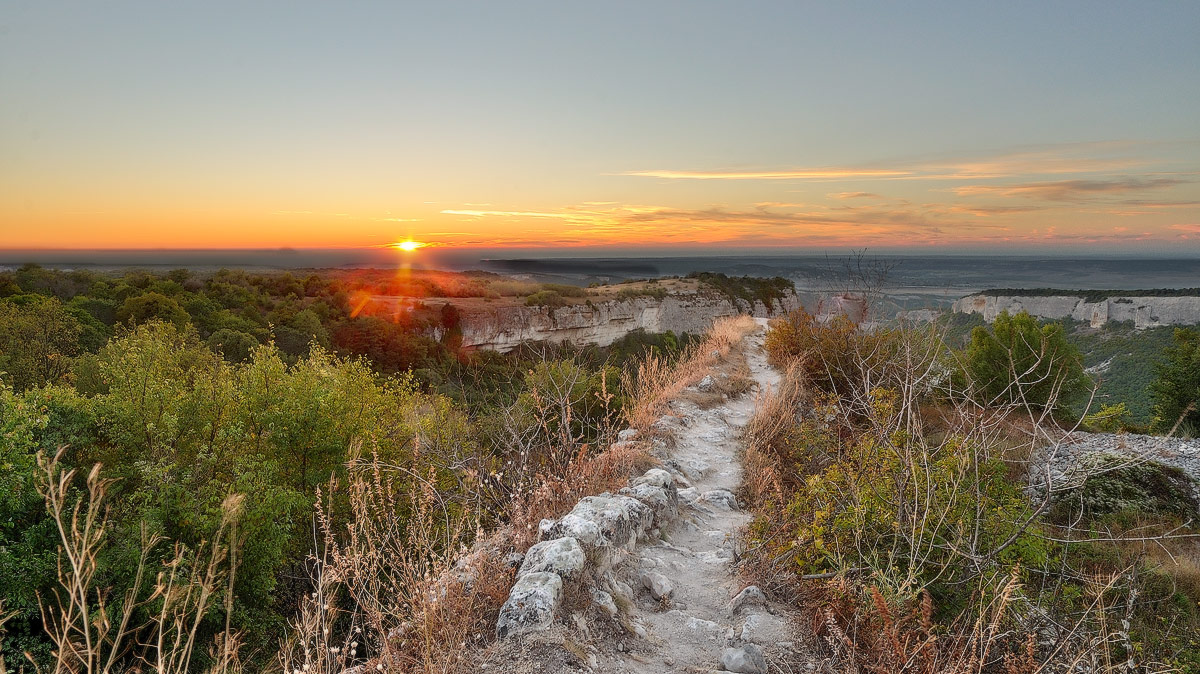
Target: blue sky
point(702, 125)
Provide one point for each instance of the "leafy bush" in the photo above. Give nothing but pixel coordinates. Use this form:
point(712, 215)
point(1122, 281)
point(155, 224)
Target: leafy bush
point(1176, 389)
point(38, 339)
point(545, 298)
point(1017, 362)
point(1109, 418)
point(152, 306)
point(749, 289)
point(919, 516)
point(897, 509)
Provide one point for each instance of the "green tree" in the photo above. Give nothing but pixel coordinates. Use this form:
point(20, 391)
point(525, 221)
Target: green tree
point(1176, 389)
point(152, 306)
point(294, 336)
point(234, 345)
point(38, 339)
point(1019, 362)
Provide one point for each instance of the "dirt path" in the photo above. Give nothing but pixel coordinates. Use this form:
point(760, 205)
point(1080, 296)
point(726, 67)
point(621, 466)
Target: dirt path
point(693, 628)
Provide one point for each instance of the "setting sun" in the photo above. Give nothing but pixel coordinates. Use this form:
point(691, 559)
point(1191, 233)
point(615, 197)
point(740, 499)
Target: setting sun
point(408, 246)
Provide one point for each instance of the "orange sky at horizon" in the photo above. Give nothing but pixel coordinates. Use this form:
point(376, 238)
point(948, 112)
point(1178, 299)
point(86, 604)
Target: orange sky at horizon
point(1074, 195)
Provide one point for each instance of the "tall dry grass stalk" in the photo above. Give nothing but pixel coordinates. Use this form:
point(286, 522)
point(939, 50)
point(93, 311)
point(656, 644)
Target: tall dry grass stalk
point(154, 628)
point(657, 380)
point(4, 618)
point(387, 591)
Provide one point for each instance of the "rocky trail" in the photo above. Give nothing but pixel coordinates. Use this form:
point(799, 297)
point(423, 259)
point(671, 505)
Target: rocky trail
point(659, 590)
point(695, 613)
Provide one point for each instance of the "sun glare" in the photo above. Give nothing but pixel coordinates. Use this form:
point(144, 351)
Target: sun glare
point(408, 246)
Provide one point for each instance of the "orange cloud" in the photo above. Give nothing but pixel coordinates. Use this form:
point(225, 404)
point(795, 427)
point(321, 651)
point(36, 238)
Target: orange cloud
point(1070, 190)
point(792, 174)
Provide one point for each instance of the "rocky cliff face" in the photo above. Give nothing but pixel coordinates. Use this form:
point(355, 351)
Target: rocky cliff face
point(503, 328)
point(1144, 312)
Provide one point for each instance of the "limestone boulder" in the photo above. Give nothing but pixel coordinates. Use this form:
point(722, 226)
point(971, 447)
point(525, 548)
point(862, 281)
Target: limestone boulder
point(531, 605)
point(563, 556)
point(745, 660)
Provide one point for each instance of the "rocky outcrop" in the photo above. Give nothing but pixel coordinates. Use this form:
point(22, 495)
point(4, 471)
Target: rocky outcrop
point(585, 543)
point(503, 328)
point(1142, 311)
point(1065, 463)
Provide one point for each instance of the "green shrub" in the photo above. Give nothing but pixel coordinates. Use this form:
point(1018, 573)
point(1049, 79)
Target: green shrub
point(545, 298)
point(1176, 388)
point(634, 293)
point(1109, 419)
point(1016, 361)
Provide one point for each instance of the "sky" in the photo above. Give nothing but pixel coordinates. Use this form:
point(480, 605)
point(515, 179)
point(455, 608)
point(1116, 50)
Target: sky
point(644, 126)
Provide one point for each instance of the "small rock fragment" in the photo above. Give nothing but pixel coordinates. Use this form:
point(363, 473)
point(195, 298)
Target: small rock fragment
point(605, 602)
point(745, 660)
point(707, 383)
point(722, 498)
point(763, 629)
point(695, 469)
point(750, 596)
point(660, 588)
point(627, 435)
point(708, 627)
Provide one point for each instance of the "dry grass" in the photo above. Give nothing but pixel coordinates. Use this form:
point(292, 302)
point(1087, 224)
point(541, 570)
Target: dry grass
point(774, 417)
point(552, 495)
point(96, 632)
point(657, 381)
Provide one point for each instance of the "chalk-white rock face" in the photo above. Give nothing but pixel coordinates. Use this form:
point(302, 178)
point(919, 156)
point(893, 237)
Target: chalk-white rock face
point(1143, 312)
point(531, 604)
point(602, 323)
point(563, 556)
point(605, 521)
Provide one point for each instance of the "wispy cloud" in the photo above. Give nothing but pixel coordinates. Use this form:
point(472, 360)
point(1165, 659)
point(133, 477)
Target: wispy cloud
point(787, 174)
point(506, 214)
point(854, 195)
point(1048, 160)
point(1070, 190)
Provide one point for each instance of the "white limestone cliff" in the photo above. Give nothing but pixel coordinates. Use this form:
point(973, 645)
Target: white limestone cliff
point(600, 323)
point(1143, 311)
